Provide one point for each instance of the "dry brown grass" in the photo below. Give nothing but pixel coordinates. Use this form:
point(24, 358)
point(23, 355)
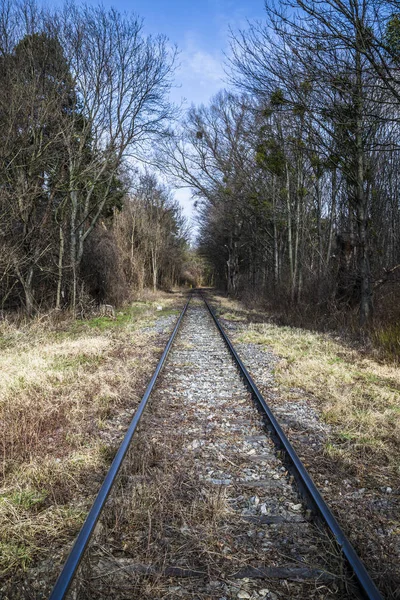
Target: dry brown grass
point(67, 391)
point(159, 515)
point(356, 393)
point(356, 462)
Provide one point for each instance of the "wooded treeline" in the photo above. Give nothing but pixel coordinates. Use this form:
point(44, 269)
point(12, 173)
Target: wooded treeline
point(297, 172)
point(83, 94)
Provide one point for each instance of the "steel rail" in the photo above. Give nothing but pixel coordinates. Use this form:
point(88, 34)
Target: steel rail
point(306, 484)
point(71, 565)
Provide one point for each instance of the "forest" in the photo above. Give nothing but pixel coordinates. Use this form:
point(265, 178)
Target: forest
point(83, 95)
point(293, 167)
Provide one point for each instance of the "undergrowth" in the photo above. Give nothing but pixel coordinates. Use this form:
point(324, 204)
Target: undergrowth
point(356, 393)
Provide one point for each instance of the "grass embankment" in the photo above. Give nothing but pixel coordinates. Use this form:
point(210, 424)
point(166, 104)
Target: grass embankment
point(67, 392)
point(355, 392)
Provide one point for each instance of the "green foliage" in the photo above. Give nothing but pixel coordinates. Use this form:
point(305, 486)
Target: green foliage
point(104, 323)
point(25, 499)
point(299, 110)
point(114, 196)
point(302, 192)
point(62, 363)
point(260, 203)
point(306, 86)
point(227, 191)
point(14, 555)
point(284, 192)
point(317, 165)
point(393, 35)
point(267, 113)
point(107, 453)
point(270, 156)
point(277, 98)
point(333, 161)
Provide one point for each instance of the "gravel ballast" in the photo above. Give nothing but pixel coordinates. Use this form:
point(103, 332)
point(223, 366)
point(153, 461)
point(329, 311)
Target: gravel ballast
point(205, 508)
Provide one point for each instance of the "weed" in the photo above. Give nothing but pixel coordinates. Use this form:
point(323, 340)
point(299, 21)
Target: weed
point(62, 363)
point(105, 404)
point(107, 453)
point(231, 316)
point(14, 555)
point(387, 339)
point(26, 499)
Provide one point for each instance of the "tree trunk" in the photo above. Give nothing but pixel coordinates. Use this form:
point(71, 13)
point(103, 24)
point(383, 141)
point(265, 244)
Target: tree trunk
point(26, 283)
point(233, 268)
point(366, 300)
point(60, 269)
point(331, 220)
point(154, 266)
point(295, 289)
point(73, 246)
point(366, 306)
point(275, 233)
point(319, 233)
point(29, 299)
point(289, 226)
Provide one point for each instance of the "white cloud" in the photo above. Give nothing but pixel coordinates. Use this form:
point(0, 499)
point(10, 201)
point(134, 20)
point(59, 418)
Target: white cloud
point(184, 197)
point(201, 73)
point(207, 66)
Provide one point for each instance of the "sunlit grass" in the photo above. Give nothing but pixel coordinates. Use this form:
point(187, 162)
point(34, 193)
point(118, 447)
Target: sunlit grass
point(63, 384)
point(356, 393)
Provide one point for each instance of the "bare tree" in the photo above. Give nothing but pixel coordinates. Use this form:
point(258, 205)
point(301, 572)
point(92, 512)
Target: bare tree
point(211, 154)
point(152, 235)
point(122, 80)
point(83, 94)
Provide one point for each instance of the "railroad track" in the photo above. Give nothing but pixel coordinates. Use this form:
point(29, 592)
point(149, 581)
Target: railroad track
point(211, 501)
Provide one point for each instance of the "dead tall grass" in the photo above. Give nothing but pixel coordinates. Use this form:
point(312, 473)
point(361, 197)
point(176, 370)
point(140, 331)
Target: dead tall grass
point(164, 519)
point(357, 394)
point(159, 516)
point(67, 392)
point(354, 389)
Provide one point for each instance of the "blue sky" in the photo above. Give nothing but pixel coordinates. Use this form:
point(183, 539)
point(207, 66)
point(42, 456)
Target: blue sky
point(200, 29)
